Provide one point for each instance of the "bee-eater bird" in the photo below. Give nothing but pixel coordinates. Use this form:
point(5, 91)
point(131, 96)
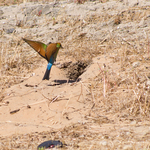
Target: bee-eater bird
point(49, 52)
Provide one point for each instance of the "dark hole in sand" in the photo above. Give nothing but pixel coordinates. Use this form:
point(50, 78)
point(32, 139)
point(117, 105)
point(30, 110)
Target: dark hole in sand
point(74, 70)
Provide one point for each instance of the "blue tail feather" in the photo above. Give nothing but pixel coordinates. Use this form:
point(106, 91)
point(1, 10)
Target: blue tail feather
point(49, 66)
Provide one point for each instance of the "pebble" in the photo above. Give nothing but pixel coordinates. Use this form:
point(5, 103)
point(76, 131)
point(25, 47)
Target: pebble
point(136, 64)
point(11, 30)
point(104, 143)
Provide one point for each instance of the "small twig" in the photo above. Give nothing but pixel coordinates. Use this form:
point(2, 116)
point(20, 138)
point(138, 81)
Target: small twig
point(135, 94)
point(85, 87)
point(29, 106)
point(14, 111)
point(93, 98)
point(93, 106)
point(127, 42)
point(103, 41)
point(54, 99)
point(104, 93)
point(80, 93)
point(18, 95)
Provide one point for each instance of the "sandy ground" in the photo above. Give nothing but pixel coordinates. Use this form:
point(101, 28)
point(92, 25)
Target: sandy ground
point(55, 103)
point(107, 107)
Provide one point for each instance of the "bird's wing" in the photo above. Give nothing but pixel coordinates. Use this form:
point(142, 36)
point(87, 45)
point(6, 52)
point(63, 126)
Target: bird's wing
point(51, 51)
point(38, 47)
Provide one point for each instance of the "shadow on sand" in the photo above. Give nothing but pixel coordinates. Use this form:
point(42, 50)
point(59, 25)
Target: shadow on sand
point(60, 82)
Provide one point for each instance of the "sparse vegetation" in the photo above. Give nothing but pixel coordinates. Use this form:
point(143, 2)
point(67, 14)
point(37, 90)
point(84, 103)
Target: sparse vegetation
point(118, 97)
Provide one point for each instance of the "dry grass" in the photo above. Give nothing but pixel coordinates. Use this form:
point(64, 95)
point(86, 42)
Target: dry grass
point(79, 136)
point(124, 92)
point(16, 63)
point(14, 2)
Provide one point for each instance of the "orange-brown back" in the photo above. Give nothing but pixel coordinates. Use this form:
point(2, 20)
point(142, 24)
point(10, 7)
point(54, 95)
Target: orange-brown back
point(50, 50)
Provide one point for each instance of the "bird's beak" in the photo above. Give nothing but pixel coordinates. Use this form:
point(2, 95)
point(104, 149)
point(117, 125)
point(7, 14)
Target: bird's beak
point(61, 46)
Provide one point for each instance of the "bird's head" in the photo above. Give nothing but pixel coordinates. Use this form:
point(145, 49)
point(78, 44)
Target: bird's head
point(58, 45)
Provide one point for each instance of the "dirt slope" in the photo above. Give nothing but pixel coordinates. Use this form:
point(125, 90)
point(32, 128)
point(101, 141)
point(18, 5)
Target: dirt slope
point(107, 106)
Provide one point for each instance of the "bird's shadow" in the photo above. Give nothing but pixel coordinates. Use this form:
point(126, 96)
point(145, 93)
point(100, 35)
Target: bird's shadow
point(60, 82)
